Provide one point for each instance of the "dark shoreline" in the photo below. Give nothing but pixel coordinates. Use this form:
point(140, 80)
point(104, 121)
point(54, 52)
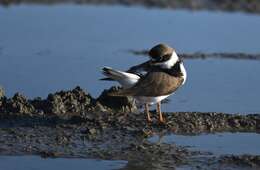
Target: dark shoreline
point(78, 105)
point(198, 55)
point(223, 5)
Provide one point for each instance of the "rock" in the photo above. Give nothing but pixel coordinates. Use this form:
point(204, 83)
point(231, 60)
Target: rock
point(242, 160)
point(72, 101)
point(49, 154)
point(2, 92)
point(17, 104)
point(39, 104)
point(99, 107)
point(125, 104)
point(92, 131)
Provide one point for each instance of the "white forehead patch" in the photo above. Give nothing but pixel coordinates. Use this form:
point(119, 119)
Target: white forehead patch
point(169, 63)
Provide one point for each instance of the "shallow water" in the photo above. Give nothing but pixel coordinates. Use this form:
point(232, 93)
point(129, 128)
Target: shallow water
point(219, 85)
point(49, 48)
point(218, 144)
point(37, 163)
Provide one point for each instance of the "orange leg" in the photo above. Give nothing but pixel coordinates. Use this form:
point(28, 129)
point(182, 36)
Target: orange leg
point(147, 113)
point(161, 119)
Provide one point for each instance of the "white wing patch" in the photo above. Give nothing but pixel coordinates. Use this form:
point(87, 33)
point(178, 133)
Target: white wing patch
point(126, 79)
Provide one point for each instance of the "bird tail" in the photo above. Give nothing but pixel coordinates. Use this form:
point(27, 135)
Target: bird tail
point(106, 79)
point(126, 79)
point(112, 74)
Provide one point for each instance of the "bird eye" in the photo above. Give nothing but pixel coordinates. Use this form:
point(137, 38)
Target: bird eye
point(160, 59)
point(166, 57)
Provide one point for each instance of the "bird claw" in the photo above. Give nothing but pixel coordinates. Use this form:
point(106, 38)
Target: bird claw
point(162, 121)
point(149, 120)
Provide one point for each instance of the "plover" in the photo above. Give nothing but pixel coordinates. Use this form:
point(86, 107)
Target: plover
point(151, 82)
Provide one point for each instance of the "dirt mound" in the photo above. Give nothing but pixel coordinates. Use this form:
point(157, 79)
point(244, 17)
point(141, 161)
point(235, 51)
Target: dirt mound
point(65, 103)
point(17, 104)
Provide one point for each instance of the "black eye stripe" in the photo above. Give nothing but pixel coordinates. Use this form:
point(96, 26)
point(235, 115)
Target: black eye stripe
point(162, 58)
point(166, 57)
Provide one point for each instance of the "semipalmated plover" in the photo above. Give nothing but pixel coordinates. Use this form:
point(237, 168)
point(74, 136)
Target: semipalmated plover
point(151, 82)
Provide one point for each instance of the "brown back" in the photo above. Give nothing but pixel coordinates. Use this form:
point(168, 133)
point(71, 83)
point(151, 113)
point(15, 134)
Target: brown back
point(153, 84)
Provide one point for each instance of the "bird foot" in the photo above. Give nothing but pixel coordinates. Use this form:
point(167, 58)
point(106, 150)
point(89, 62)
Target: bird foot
point(149, 120)
point(162, 121)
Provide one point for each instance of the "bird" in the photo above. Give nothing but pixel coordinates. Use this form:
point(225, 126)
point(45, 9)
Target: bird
point(152, 81)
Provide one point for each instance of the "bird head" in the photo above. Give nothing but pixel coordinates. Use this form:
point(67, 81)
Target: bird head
point(163, 55)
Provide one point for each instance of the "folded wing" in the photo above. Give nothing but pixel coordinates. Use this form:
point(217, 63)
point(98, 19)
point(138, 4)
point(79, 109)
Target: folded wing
point(152, 84)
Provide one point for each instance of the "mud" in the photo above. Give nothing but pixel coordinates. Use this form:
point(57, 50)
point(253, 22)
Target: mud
point(65, 103)
point(241, 56)
point(62, 102)
point(252, 161)
point(75, 125)
point(17, 104)
point(252, 6)
point(122, 112)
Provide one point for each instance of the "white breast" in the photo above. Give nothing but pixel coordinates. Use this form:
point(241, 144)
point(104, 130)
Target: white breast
point(183, 70)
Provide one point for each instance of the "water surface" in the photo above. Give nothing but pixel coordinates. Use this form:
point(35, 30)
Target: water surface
point(37, 163)
point(218, 144)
